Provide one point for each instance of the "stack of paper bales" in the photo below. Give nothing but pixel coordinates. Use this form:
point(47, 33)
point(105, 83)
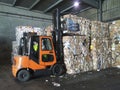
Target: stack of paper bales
point(76, 48)
point(91, 49)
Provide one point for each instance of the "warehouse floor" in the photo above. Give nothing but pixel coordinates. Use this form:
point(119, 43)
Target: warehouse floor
point(108, 79)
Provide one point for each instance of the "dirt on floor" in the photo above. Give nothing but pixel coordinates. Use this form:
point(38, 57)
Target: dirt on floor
point(108, 79)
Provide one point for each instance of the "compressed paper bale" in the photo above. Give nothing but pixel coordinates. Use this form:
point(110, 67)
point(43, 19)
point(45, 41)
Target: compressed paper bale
point(22, 29)
point(95, 29)
point(84, 24)
point(105, 30)
point(99, 30)
point(117, 62)
point(115, 36)
point(116, 23)
point(94, 54)
point(67, 16)
point(75, 54)
point(113, 31)
point(14, 48)
point(49, 30)
point(99, 33)
point(39, 31)
point(68, 58)
point(118, 48)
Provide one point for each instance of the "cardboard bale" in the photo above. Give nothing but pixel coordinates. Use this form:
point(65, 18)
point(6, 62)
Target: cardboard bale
point(100, 45)
point(76, 53)
point(92, 49)
point(49, 30)
point(74, 24)
point(115, 37)
point(14, 48)
point(22, 29)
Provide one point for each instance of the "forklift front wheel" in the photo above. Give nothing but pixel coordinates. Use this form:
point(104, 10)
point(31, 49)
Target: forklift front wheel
point(23, 75)
point(57, 69)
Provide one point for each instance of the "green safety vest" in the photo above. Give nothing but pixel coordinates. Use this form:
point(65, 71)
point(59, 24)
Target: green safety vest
point(35, 47)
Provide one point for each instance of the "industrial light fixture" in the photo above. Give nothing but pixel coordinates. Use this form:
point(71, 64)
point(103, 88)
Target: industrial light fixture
point(76, 4)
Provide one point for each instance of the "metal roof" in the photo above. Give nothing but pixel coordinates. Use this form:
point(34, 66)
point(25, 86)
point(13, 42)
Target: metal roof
point(47, 6)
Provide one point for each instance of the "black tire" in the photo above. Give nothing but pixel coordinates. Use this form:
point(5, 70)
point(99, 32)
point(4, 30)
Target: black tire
point(23, 75)
point(57, 69)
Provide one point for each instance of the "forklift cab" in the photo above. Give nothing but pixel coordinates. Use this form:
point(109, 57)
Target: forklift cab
point(45, 53)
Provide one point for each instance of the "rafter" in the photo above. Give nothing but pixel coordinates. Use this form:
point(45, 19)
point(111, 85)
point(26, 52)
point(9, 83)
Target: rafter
point(66, 9)
point(49, 8)
point(33, 5)
point(92, 3)
point(14, 3)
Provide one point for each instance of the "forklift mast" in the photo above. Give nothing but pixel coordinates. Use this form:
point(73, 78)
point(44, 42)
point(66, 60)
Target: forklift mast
point(57, 36)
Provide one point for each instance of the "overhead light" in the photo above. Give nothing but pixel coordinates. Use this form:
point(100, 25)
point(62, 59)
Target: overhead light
point(76, 4)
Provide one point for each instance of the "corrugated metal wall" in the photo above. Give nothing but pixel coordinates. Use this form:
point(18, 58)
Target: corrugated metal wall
point(110, 8)
point(89, 14)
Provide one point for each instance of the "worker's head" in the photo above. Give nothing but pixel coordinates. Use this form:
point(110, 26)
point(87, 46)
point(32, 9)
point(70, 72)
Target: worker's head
point(35, 42)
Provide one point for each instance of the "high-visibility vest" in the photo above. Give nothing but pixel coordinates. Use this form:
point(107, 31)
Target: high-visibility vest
point(35, 47)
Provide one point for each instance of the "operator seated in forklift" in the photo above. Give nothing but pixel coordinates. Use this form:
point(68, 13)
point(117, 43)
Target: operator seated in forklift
point(35, 48)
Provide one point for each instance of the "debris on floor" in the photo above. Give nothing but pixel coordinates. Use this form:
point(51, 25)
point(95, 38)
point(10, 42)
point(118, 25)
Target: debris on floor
point(46, 80)
point(56, 84)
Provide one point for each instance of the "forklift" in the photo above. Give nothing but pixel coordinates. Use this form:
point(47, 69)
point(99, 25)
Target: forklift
point(49, 55)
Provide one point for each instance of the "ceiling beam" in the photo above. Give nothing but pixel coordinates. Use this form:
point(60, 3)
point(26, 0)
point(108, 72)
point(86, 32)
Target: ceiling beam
point(35, 3)
point(53, 5)
point(82, 10)
point(92, 3)
point(68, 8)
point(14, 3)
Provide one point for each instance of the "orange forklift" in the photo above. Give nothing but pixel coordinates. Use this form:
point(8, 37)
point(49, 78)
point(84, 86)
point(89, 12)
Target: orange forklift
point(49, 54)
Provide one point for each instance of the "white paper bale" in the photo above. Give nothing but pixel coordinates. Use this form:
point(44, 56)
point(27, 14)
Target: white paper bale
point(25, 29)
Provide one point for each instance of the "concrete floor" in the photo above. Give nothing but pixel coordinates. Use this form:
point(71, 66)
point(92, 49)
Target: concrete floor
point(108, 79)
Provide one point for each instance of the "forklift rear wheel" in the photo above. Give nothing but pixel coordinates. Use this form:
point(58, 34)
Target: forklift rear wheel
point(23, 75)
point(57, 69)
